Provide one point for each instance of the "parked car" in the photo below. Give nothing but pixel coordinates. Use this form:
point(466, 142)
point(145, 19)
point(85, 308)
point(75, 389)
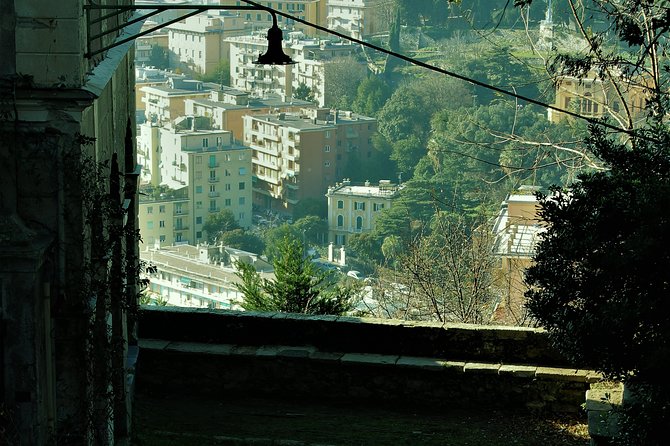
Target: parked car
point(356, 275)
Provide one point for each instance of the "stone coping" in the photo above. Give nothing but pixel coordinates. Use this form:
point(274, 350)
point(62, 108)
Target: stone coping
point(371, 359)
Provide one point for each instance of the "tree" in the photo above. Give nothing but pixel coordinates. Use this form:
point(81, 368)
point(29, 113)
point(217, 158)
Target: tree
point(158, 57)
point(342, 76)
point(241, 239)
point(311, 206)
point(220, 75)
point(371, 95)
point(218, 223)
point(298, 287)
point(303, 92)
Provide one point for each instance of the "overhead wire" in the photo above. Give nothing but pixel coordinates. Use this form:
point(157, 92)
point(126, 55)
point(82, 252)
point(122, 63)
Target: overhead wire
point(589, 119)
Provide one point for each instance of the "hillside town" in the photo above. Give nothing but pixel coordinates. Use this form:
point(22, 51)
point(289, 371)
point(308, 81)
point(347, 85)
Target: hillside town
point(373, 222)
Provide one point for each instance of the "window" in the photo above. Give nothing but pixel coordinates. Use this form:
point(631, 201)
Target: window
point(326, 148)
point(205, 142)
point(177, 208)
point(198, 174)
point(161, 238)
point(198, 220)
point(161, 223)
point(241, 185)
point(198, 204)
point(212, 174)
point(150, 210)
point(177, 238)
point(227, 173)
point(339, 239)
point(327, 133)
point(326, 164)
point(198, 234)
point(212, 205)
point(243, 171)
point(161, 209)
point(359, 205)
point(340, 221)
point(227, 202)
point(377, 206)
point(227, 186)
point(340, 204)
point(359, 223)
point(212, 161)
point(198, 160)
point(240, 200)
point(240, 216)
point(150, 225)
point(212, 188)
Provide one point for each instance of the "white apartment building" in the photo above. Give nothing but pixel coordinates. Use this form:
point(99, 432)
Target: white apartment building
point(357, 18)
point(196, 43)
point(194, 276)
point(352, 209)
point(312, 57)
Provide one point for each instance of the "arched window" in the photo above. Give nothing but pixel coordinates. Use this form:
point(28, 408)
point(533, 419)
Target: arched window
point(359, 223)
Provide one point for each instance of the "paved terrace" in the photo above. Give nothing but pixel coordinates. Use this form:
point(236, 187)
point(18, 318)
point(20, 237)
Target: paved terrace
point(226, 377)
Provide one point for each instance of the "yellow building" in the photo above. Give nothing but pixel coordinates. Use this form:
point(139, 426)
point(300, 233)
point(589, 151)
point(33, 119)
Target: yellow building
point(591, 96)
point(164, 103)
point(164, 221)
point(352, 209)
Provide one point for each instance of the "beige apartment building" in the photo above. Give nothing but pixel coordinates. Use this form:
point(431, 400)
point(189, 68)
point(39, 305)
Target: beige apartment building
point(164, 220)
point(313, 59)
point(164, 103)
point(516, 231)
point(594, 97)
point(213, 171)
point(313, 11)
point(196, 44)
point(352, 209)
point(358, 18)
point(297, 156)
point(227, 106)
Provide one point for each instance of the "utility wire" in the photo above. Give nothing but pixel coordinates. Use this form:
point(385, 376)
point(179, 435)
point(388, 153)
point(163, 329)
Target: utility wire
point(419, 63)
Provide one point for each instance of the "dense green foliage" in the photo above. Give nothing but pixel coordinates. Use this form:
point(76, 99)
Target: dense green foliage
point(298, 287)
point(218, 223)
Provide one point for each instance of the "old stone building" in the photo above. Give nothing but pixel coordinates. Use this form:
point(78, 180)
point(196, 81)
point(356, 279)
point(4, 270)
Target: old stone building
point(67, 170)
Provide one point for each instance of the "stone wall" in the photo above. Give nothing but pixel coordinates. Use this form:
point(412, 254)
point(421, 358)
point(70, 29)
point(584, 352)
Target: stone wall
point(214, 352)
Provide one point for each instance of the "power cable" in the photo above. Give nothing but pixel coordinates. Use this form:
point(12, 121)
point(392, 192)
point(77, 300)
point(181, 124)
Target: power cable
point(419, 63)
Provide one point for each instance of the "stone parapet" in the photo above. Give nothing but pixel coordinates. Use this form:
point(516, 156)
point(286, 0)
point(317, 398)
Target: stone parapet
point(457, 342)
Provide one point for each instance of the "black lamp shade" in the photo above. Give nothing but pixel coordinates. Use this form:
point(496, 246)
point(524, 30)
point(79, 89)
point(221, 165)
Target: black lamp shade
point(275, 54)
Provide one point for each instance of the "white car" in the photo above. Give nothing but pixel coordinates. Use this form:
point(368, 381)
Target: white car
point(356, 275)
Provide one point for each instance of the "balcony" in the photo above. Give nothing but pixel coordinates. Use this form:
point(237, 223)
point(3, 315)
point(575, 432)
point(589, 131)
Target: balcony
point(210, 374)
point(213, 210)
point(213, 179)
point(213, 194)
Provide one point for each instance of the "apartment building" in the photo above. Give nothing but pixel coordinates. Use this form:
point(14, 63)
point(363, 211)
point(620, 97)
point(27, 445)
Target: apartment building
point(147, 76)
point(164, 103)
point(516, 231)
point(357, 18)
point(226, 108)
point(296, 156)
point(313, 59)
point(164, 220)
point(214, 171)
point(352, 209)
point(594, 97)
point(313, 11)
point(196, 44)
point(201, 276)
